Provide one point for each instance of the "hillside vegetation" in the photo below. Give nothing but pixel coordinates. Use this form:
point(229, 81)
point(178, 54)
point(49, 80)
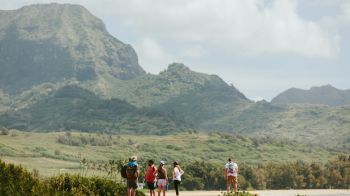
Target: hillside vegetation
point(51, 153)
point(73, 108)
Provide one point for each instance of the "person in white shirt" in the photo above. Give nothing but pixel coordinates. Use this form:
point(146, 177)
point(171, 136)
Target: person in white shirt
point(177, 173)
point(231, 174)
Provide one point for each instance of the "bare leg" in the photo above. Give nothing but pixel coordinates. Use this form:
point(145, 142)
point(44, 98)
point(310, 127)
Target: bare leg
point(235, 182)
point(228, 184)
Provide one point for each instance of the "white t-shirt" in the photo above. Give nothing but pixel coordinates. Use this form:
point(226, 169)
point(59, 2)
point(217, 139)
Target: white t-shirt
point(234, 171)
point(177, 174)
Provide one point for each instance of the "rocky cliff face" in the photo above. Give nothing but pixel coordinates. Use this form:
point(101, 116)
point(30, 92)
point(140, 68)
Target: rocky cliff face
point(55, 42)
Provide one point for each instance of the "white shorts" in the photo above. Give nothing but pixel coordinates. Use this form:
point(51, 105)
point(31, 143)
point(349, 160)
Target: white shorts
point(161, 183)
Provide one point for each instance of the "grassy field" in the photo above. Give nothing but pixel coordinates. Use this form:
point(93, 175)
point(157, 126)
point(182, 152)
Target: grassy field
point(61, 152)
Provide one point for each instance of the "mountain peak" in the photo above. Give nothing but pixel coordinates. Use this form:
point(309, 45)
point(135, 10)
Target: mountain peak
point(56, 42)
point(44, 21)
point(325, 95)
point(177, 67)
point(324, 87)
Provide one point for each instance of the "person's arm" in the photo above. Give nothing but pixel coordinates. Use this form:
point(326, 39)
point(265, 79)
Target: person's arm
point(174, 173)
point(145, 174)
point(155, 173)
point(180, 170)
point(137, 172)
point(166, 176)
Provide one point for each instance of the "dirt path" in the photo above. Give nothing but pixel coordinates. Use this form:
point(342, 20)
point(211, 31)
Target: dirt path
point(319, 192)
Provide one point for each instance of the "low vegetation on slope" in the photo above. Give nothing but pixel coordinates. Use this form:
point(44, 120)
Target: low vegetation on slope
point(73, 108)
point(65, 150)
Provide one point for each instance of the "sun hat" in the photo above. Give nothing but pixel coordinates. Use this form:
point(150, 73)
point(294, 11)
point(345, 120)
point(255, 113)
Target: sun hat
point(162, 162)
point(133, 158)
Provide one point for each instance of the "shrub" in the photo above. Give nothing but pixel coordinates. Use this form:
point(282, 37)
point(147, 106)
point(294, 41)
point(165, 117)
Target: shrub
point(4, 131)
point(57, 152)
point(15, 180)
point(78, 185)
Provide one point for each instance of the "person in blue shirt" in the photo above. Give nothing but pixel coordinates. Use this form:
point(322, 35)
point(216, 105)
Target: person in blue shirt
point(132, 173)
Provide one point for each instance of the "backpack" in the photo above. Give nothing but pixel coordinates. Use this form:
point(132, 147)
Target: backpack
point(231, 168)
point(131, 172)
point(123, 171)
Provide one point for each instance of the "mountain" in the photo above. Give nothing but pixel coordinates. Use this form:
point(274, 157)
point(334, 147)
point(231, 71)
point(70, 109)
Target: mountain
point(197, 98)
point(325, 95)
point(57, 42)
point(45, 48)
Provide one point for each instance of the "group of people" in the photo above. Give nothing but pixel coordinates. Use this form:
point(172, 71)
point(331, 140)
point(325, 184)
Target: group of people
point(154, 176)
point(158, 176)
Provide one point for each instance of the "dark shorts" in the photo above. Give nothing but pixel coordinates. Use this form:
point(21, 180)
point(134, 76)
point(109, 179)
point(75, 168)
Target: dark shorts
point(151, 185)
point(132, 184)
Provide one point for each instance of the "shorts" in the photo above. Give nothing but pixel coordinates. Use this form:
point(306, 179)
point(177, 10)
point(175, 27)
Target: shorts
point(151, 185)
point(132, 184)
point(232, 179)
point(161, 183)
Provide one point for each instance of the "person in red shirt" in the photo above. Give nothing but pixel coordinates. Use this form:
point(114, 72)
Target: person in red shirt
point(151, 177)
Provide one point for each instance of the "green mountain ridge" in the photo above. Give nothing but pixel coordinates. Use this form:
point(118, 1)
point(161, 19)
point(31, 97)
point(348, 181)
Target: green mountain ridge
point(324, 95)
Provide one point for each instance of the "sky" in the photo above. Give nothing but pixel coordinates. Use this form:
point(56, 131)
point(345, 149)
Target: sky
point(262, 47)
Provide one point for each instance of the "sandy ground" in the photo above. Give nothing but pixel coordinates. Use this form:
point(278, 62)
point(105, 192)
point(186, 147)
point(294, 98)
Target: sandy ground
point(319, 192)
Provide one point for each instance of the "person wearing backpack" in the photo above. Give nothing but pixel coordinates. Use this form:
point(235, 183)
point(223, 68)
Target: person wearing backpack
point(151, 177)
point(231, 174)
point(177, 173)
point(132, 173)
point(162, 178)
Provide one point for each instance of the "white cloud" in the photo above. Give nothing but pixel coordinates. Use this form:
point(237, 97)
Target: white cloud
point(193, 52)
point(339, 21)
point(152, 55)
point(248, 27)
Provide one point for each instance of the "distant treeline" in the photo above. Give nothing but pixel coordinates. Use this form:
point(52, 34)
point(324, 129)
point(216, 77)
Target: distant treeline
point(201, 175)
point(15, 180)
point(289, 175)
